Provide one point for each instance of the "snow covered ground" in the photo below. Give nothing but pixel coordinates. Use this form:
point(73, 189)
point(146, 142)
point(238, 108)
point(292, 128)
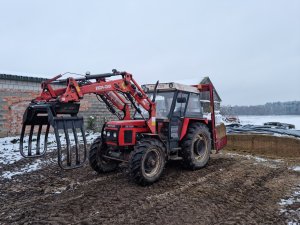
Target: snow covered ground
point(260, 120)
point(37, 164)
point(9, 152)
point(290, 206)
point(273, 163)
point(295, 168)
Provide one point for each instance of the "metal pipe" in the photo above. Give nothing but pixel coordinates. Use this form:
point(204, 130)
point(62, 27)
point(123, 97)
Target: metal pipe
point(117, 159)
point(87, 77)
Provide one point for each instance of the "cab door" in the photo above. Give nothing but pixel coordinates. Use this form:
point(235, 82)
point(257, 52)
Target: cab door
point(176, 119)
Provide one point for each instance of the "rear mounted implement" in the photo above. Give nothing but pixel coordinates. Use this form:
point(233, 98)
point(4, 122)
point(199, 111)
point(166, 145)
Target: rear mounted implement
point(38, 117)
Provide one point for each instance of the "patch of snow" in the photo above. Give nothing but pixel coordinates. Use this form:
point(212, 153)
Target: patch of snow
point(26, 169)
point(280, 135)
point(289, 206)
point(288, 201)
point(256, 158)
point(295, 168)
point(9, 152)
point(267, 162)
point(260, 120)
point(9, 146)
point(293, 223)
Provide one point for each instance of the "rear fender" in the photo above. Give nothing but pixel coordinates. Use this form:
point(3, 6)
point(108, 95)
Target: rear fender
point(218, 135)
point(186, 122)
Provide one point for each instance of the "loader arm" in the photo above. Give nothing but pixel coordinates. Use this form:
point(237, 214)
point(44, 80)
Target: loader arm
point(116, 91)
point(116, 94)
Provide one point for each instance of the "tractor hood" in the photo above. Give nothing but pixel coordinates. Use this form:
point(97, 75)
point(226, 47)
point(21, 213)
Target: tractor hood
point(126, 124)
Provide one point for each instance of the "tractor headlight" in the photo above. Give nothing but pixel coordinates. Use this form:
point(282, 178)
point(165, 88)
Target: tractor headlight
point(114, 134)
point(108, 133)
point(104, 132)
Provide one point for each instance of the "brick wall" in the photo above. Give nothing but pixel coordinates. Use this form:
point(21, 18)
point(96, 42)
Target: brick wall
point(16, 92)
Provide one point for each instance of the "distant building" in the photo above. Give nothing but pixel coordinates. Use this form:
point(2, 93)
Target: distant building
point(217, 98)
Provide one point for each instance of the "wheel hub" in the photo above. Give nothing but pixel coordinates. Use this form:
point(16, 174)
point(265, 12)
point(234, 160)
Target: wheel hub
point(200, 145)
point(151, 162)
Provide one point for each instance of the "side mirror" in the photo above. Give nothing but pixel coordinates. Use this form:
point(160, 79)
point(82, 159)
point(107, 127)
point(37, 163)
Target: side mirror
point(181, 99)
point(155, 91)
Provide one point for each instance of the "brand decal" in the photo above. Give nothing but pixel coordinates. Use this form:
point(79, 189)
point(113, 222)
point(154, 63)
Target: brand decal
point(99, 88)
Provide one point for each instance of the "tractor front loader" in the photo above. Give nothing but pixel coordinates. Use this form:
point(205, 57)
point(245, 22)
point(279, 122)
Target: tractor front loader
point(168, 123)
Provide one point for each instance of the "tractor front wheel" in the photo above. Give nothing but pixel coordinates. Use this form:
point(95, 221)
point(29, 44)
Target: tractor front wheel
point(147, 161)
point(99, 163)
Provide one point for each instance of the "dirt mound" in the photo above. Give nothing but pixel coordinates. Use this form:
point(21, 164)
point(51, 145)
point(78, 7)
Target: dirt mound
point(286, 147)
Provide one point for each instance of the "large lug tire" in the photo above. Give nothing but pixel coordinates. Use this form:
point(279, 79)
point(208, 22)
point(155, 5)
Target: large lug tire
point(196, 146)
point(96, 159)
point(147, 161)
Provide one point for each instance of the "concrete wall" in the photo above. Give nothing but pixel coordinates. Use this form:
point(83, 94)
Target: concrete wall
point(264, 145)
point(15, 95)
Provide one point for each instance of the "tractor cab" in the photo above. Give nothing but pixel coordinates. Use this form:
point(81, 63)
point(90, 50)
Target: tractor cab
point(172, 98)
point(177, 107)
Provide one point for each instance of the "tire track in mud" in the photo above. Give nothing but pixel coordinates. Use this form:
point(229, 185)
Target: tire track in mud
point(143, 206)
point(228, 191)
point(240, 194)
point(92, 184)
point(237, 186)
point(196, 195)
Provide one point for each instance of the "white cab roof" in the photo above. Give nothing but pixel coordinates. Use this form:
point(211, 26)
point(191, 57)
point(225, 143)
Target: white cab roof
point(170, 87)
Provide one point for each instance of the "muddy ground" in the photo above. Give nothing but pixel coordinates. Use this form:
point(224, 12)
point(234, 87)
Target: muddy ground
point(232, 189)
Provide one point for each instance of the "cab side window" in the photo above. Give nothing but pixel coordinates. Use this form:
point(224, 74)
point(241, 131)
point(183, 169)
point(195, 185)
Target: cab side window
point(181, 102)
point(194, 106)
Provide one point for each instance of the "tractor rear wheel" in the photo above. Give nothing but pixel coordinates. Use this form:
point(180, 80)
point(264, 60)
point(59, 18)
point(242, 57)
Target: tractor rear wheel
point(196, 147)
point(147, 161)
point(97, 161)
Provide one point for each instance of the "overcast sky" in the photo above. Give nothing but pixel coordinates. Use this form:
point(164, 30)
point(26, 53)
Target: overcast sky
point(250, 49)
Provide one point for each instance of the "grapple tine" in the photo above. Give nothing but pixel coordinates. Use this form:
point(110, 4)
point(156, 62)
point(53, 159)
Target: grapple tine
point(76, 144)
point(22, 140)
point(84, 143)
point(58, 143)
point(30, 140)
point(71, 152)
point(46, 138)
point(38, 140)
point(68, 143)
point(38, 147)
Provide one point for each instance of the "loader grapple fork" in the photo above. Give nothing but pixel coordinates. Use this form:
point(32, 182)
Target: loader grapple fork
point(43, 116)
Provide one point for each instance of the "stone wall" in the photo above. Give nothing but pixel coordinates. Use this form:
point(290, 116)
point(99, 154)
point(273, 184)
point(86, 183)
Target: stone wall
point(16, 92)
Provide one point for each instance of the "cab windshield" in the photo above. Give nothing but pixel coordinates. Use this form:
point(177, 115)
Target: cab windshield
point(163, 105)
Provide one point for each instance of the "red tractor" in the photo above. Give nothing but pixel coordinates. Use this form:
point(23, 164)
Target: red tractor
point(157, 123)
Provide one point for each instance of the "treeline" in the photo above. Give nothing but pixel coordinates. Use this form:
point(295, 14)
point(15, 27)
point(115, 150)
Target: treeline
point(274, 108)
